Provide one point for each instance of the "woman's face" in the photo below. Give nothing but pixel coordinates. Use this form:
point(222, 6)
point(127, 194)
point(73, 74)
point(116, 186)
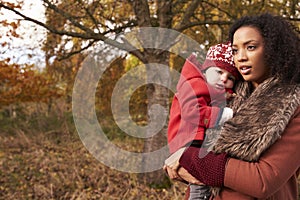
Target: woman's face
point(248, 54)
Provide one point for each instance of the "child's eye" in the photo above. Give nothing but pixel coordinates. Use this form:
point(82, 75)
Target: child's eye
point(219, 71)
point(231, 78)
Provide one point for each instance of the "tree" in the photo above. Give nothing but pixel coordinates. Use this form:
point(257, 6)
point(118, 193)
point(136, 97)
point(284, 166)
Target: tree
point(22, 83)
point(83, 24)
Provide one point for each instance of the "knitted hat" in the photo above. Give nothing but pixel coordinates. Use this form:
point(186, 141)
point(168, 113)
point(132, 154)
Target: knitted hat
point(220, 56)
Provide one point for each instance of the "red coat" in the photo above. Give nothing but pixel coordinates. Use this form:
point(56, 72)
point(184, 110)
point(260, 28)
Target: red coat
point(195, 107)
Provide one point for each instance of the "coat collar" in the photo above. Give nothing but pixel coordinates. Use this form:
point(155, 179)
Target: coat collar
point(259, 118)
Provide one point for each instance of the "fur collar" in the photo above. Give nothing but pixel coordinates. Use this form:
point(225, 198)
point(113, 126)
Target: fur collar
point(259, 118)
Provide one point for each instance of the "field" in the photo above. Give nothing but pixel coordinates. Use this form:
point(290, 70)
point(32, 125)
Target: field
point(37, 162)
point(57, 166)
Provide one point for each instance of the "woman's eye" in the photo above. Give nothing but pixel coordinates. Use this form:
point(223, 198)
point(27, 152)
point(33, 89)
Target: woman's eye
point(219, 71)
point(234, 51)
point(251, 47)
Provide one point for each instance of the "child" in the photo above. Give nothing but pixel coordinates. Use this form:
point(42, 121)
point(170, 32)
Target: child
point(199, 104)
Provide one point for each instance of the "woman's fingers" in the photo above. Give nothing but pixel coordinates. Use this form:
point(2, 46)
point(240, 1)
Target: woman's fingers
point(172, 173)
point(184, 174)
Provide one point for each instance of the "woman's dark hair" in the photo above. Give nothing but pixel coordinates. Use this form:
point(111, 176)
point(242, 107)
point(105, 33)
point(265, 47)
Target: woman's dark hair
point(282, 46)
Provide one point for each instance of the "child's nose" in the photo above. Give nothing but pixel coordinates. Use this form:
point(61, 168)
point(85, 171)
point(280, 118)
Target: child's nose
point(224, 78)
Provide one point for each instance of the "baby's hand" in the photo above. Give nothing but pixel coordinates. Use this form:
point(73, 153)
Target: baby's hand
point(230, 95)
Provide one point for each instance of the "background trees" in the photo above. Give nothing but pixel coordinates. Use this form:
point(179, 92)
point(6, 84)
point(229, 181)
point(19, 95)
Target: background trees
point(75, 26)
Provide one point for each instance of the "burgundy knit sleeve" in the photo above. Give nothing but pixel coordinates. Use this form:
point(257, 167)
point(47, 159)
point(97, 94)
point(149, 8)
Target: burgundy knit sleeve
point(209, 169)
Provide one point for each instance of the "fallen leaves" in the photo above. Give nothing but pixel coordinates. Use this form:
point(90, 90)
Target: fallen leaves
point(39, 168)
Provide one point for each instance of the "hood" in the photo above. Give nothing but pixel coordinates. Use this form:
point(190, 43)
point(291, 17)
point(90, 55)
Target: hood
point(190, 70)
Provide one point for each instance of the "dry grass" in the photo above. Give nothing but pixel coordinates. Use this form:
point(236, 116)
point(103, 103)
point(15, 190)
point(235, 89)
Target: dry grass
point(48, 164)
point(57, 166)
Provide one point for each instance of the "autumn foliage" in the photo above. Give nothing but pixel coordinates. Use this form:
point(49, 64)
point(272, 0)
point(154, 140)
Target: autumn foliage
point(23, 83)
point(41, 156)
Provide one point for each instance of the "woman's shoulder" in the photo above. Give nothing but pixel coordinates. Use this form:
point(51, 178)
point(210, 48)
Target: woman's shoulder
point(297, 113)
point(297, 93)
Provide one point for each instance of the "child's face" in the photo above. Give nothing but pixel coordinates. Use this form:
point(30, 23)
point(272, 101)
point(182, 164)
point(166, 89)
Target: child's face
point(219, 78)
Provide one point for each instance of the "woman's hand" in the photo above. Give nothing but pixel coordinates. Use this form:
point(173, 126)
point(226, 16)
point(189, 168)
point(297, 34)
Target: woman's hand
point(172, 164)
point(172, 171)
point(185, 175)
point(180, 174)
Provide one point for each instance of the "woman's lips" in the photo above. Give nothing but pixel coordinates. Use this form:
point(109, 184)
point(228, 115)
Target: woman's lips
point(245, 70)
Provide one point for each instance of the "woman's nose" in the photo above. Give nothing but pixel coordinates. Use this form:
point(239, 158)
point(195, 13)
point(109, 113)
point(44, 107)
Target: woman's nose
point(241, 55)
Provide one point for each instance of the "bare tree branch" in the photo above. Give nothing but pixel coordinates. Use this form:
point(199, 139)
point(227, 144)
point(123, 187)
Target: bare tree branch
point(68, 55)
point(68, 17)
point(219, 8)
point(165, 13)
point(187, 15)
point(94, 20)
point(293, 19)
point(199, 23)
point(88, 35)
point(142, 12)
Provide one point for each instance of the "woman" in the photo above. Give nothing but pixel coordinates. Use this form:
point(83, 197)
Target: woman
point(256, 155)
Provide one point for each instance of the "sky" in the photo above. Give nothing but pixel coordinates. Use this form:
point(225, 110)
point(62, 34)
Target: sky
point(32, 35)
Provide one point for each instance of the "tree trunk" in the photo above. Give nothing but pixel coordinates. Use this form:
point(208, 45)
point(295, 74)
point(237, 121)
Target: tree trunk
point(158, 94)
